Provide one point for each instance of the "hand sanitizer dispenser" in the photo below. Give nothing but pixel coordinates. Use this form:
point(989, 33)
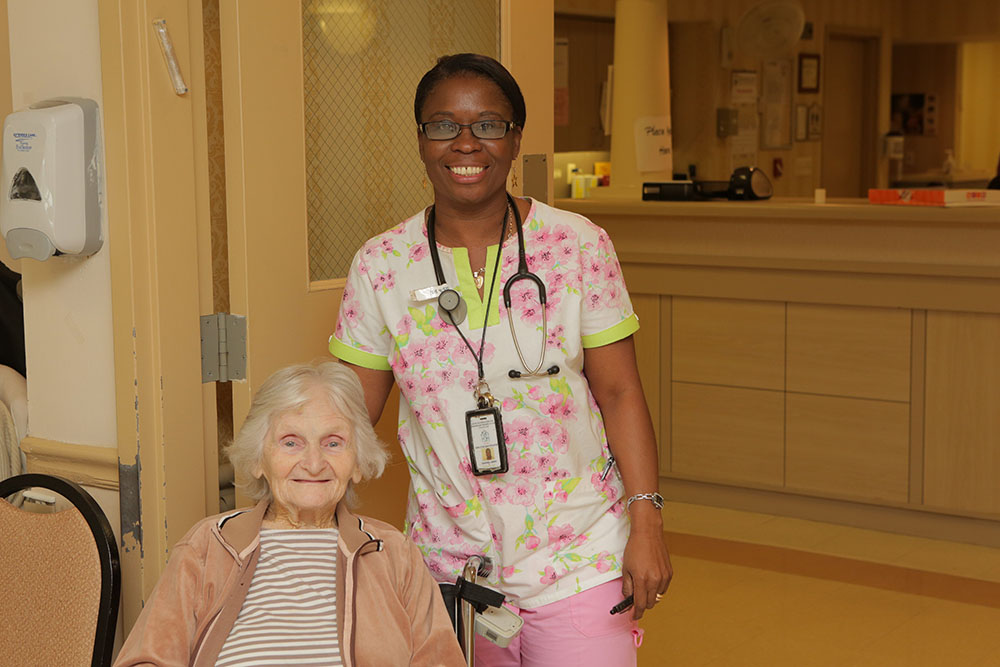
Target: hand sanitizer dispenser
point(50, 192)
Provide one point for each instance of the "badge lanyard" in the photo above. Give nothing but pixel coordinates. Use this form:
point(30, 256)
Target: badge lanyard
point(487, 448)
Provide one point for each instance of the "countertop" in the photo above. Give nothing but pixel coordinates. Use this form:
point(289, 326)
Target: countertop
point(785, 207)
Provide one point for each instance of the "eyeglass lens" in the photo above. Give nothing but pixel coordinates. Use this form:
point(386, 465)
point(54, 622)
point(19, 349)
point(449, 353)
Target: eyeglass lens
point(446, 129)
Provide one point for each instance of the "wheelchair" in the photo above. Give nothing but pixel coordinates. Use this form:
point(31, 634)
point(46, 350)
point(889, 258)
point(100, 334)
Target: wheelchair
point(476, 609)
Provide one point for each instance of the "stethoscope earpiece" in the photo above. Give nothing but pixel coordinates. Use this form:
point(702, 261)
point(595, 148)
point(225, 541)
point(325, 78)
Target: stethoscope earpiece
point(551, 370)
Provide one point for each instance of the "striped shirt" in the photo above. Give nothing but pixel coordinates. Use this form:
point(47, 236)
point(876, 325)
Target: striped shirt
point(289, 616)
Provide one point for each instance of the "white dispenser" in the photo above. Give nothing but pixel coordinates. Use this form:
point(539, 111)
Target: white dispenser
point(50, 202)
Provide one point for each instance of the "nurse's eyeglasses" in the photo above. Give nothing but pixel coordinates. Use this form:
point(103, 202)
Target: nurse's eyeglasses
point(443, 130)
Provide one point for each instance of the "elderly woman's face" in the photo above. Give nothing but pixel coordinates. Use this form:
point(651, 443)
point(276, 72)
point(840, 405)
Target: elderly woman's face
point(309, 457)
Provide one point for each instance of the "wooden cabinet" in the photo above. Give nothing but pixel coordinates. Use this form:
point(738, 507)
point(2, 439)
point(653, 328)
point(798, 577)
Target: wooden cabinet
point(836, 362)
point(728, 434)
point(648, 355)
point(847, 447)
point(962, 420)
point(849, 351)
point(729, 342)
point(808, 397)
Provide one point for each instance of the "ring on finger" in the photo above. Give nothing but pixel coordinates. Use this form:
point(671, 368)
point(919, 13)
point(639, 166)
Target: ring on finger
point(659, 596)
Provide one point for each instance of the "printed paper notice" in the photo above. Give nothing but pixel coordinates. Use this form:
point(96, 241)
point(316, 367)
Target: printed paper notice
point(776, 105)
point(653, 150)
point(742, 151)
point(743, 88)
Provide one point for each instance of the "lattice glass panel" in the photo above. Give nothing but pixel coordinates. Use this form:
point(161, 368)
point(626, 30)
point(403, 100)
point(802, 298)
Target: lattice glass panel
point(362, 62)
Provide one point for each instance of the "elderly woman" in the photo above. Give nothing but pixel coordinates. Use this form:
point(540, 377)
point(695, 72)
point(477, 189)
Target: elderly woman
point(508, 329)
point(297, 579)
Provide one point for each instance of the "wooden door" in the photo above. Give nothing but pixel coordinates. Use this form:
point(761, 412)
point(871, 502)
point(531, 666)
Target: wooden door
point(275, 273)
point(849, 116)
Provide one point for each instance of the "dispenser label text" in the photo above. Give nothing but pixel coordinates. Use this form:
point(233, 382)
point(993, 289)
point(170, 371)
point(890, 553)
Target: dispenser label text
point(23, 141)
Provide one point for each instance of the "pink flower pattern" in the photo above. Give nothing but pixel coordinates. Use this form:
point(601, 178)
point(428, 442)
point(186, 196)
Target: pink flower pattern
point(550, 519)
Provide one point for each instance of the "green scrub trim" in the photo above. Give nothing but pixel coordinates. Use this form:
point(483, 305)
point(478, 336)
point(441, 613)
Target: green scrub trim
point(467, 287)
point(358, 357)
point(622, 330)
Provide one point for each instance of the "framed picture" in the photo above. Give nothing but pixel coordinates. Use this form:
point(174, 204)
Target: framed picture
point(815, 122)
point(808, 72)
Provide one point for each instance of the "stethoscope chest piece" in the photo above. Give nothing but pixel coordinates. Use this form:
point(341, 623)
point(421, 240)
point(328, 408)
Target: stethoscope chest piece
point(451, 307)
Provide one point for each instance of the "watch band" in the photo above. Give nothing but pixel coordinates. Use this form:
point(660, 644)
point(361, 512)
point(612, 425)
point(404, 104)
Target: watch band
point(654, 498)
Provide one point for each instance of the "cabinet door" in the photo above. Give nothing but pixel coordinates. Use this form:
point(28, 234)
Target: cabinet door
point(962, 423)
point(847, 447)
point(728, 434)
point(849, 351)
point(729, 342)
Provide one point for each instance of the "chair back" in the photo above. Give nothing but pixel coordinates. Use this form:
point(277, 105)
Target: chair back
point(60, 578)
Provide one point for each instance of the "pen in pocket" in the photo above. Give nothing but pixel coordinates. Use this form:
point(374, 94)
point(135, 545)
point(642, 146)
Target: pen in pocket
point(607, 467)
point(622, 606)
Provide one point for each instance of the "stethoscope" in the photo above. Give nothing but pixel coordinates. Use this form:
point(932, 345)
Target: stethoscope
point(451, 303)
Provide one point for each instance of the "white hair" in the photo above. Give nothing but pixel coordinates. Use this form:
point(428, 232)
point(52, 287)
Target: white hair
point(288, 389)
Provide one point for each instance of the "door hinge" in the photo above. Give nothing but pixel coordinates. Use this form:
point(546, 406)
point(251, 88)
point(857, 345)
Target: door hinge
point(223, 347)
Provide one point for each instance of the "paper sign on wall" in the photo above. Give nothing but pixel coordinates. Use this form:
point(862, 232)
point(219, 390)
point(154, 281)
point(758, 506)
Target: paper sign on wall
point(743, 88)
point(742, 151)
point(653, 146)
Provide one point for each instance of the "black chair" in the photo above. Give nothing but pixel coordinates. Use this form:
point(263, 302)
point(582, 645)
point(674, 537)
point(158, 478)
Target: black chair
point(60, 579)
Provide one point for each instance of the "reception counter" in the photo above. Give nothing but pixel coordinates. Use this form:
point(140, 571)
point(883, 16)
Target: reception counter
point(838, 362)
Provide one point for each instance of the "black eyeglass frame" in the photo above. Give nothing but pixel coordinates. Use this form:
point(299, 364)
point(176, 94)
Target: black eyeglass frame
point(508, 126)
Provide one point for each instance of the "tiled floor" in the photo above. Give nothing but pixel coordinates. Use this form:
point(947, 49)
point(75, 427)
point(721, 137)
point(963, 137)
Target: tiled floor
point(752, 589)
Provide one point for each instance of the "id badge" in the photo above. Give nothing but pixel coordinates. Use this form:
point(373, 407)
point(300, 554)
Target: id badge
point(487, 449)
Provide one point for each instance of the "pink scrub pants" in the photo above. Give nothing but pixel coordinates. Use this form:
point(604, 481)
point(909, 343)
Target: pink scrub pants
point(578, 631)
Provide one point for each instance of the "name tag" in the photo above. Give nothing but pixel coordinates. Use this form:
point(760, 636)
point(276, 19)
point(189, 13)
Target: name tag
point(427, 293)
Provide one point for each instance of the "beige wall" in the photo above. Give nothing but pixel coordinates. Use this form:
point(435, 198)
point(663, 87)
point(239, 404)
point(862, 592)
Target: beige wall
point(945, 20)
point(5, 108)
point(54, 51)
point(67, 301)
point(979, 106)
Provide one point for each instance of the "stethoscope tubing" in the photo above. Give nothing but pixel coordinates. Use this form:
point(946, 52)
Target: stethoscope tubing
point(522, 273)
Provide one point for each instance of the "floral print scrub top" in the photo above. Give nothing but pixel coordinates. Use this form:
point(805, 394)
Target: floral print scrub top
point(550, 525)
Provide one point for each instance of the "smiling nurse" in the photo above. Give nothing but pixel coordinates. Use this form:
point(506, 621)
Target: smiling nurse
point(548, 470)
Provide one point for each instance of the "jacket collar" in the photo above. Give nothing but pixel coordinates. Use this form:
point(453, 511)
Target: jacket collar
point(240, 529)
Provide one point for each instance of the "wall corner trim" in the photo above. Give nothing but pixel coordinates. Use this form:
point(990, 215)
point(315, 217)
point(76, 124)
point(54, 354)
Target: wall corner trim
point(89, 465)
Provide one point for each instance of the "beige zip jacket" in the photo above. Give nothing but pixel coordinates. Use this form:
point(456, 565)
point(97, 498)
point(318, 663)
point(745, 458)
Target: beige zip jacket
point(389, 609)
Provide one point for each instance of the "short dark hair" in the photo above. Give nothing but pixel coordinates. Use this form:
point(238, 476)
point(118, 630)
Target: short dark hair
point(471, 64)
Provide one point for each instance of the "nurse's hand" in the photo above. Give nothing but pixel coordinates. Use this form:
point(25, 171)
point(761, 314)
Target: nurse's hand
point(646, 569)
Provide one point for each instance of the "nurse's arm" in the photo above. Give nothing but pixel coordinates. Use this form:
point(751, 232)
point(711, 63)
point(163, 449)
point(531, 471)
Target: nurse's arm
point(614, 381)
point(377, 384)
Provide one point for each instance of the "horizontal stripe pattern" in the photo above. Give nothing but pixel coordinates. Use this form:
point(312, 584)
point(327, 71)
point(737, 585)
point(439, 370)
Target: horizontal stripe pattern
point(289, 616)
